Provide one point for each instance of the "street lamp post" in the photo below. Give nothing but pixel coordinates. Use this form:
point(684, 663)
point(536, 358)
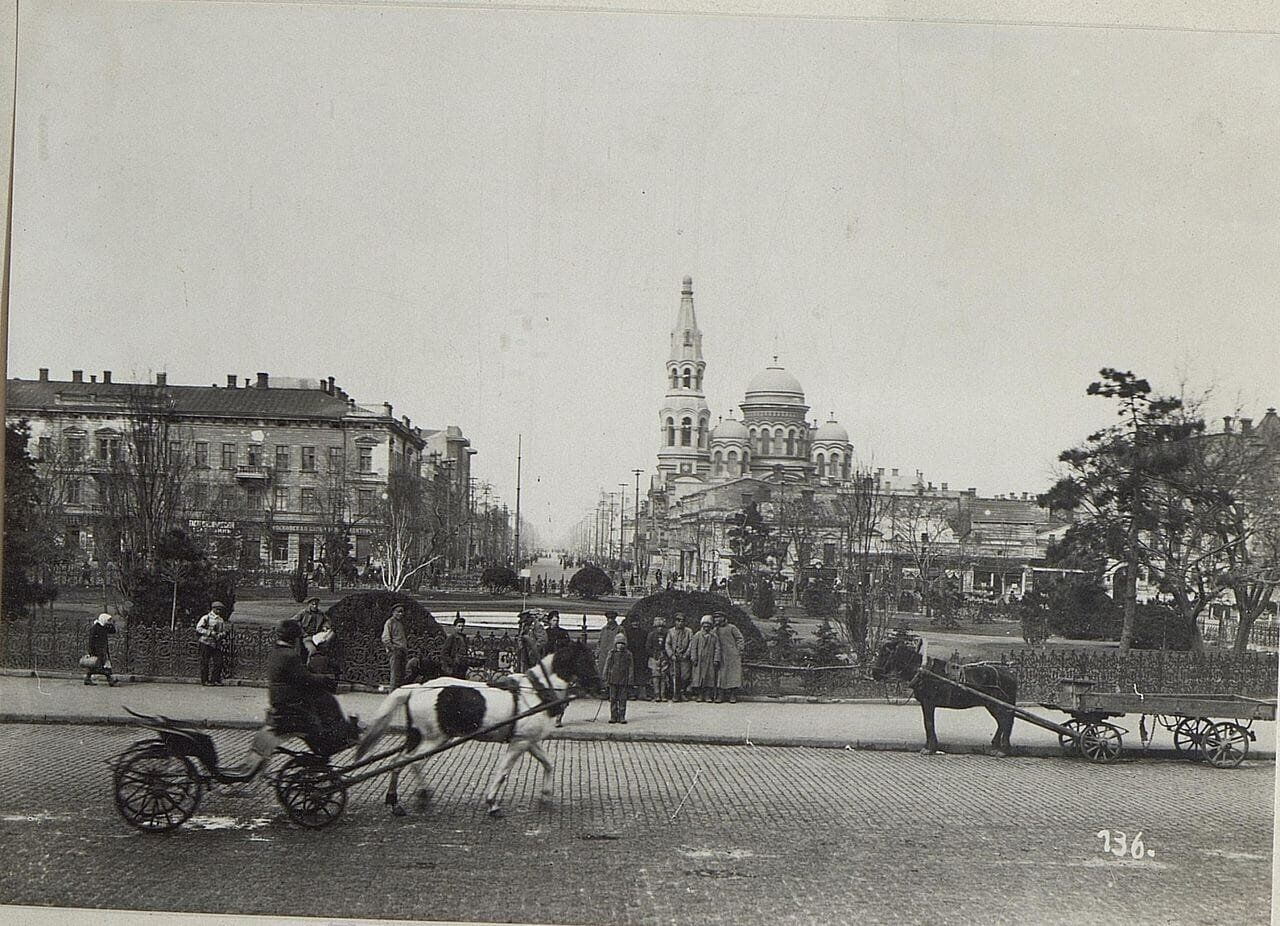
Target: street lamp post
point(622, 527)
point(635, 533)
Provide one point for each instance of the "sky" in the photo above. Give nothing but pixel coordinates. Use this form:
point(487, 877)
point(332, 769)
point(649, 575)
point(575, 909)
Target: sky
point(943, 230)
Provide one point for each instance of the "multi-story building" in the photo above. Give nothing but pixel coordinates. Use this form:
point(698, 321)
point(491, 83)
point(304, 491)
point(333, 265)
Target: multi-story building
point(264, 468)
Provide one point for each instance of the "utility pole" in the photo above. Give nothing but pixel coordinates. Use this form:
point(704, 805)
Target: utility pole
point(622, 527)
point(635, 533)
point(519, 457)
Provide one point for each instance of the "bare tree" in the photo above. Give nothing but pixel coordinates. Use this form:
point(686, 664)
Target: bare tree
point(415, 524)
point(861, 511)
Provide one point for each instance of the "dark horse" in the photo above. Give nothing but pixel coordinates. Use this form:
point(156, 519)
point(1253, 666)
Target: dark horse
point(899, 657)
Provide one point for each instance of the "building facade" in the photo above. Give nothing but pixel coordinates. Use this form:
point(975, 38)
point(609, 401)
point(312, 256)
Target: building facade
point(263, 469)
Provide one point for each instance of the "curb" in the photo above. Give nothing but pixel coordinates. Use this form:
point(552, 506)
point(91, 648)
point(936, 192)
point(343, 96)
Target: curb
point(692, 739)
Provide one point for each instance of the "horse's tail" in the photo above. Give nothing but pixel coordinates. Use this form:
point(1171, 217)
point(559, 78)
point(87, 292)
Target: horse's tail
point(378, 726)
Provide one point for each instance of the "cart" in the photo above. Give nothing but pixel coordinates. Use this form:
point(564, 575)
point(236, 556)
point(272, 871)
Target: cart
point(159, 782)
point(1222, 742)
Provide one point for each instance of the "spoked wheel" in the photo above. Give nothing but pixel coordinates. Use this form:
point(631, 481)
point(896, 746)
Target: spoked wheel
point(897, 691)
point(1101, 742)
point(1189, 734)
point(1070, 744)
point(311, 792)
point(155, 790)
point(1225, 745)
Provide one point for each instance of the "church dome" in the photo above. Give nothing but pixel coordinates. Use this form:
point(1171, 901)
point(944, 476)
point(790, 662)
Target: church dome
point(831, 432)
point(730, 429)
point(774, 386)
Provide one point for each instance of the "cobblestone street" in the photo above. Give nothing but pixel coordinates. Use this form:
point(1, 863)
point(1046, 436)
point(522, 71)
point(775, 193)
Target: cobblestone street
point(666, 833)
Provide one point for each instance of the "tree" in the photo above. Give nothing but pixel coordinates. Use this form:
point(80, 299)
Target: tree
point(861, 510)
point(1113, 480)
point(824, 648)
point(762, 605)
point(750, 544)
point(25, 540)
point(180, 585)
point(782, 640)
point(799, 520)
point(590, 582)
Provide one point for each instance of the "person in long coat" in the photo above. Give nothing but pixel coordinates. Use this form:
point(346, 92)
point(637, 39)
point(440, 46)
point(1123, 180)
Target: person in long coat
point(636, 639)
point(604, 645)
point(677, 646)
point(729, 677)
point(704, 652)
point(98, 647)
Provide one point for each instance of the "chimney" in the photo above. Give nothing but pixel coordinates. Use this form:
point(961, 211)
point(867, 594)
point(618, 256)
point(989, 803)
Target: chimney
point(1246, 425)
point(44, 374)
point(972, 490)
point(106, 377)
point(93, 377)
point(77, 376)
point(1226, 424)
point(330, 385)
point(162, 379)
point(386, 409)
point(944, 487)
point(264, 381)
point(231, 381)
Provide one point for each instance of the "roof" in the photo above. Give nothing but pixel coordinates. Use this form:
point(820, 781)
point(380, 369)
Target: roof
point(730, 429)
point(832, 431)
point(775, 385)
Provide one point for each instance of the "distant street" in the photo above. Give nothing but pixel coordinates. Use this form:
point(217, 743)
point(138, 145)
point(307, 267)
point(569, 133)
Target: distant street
point(668, 833)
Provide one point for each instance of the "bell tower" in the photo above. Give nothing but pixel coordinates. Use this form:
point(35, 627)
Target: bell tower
point(685, 419)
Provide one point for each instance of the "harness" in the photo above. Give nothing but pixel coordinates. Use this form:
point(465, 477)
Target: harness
point(541, 687)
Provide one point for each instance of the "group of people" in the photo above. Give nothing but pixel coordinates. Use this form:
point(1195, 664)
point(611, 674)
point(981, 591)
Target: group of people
point(449, 656)
point(673, 663)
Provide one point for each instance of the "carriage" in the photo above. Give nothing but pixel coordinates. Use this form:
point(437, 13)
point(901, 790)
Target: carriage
point(159, 781)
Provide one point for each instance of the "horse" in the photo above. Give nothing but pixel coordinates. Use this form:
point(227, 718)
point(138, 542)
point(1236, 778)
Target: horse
point(443, 708)
point(900, 657)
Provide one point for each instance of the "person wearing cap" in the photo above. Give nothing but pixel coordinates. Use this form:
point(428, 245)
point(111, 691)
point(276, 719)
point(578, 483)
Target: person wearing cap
point(453, 654)
point(677, 645)
point(604, 643)
point(396, 644)
point(704, 654)
point(729, 675)
point(659, 662)
point(619, 673)
point(317, 631)
point(212, 631)
point(98, 648)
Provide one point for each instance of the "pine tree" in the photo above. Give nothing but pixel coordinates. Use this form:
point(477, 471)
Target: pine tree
point(825, 648)
point(782, 641)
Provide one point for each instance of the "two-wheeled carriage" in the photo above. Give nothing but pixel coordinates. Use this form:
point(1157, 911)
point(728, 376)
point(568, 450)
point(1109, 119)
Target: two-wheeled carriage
point(160, 781)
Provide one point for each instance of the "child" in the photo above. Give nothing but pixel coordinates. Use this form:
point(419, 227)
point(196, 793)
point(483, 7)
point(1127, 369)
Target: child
point(619, 675)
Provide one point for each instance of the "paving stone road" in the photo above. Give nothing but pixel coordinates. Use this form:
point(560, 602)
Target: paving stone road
point(642, 833)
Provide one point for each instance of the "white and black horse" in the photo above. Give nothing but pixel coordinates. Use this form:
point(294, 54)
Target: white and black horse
point(444, 708)
point(900, 657)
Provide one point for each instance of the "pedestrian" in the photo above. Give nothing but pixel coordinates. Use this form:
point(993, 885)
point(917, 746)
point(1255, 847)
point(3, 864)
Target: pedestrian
point(538, 628)
point(557, 636)
point(317, 633)
point(704, 655)
point(637, 637)
point(677, 647)
point(604, 644)
point(98, 661)
point(729, 676)
point(655, 646)
point(453, 655)
point(396, 644)
point(212, 631)
point(527, 643)
point(619, 674)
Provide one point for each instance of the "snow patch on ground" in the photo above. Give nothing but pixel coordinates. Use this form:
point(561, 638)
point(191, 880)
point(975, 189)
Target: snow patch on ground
point(42, 817)
point(227, 823)
point(734, 854)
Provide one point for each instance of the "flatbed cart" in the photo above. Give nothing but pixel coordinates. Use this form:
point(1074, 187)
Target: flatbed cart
point(159, 782)
point(1223, 743)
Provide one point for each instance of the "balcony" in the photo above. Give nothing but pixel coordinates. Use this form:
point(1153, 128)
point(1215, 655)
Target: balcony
point(251, 472)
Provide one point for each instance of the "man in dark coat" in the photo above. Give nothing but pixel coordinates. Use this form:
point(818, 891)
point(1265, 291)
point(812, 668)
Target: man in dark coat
point(636, 636)
point(453, 655)
point(99, 632)
point(301, 700)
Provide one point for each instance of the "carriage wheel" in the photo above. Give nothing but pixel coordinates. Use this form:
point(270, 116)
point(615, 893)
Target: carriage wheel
point(1101, 742)
point(1070, 744)
point(1189, 734)
point(1225, 745)
point(155, 790)
point(311, 792)
point(896, 691)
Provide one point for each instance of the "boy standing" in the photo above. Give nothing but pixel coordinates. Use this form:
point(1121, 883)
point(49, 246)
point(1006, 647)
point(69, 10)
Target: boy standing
point(619, 674)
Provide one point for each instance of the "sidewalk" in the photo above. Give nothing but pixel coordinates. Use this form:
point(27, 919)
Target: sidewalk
point(766, 722)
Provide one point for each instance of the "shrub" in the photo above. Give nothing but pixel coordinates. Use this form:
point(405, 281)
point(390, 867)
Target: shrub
point(763, 605)
point(825, 648)
point(199, 584)
point(819, 600)
point(693, 605)
point(298, 584)
point(782, 641)
point(365, 613)
point(499, 578)
point(1159, 626)
point(590, 582)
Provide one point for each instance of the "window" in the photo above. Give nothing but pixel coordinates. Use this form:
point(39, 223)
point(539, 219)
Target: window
point(109, 449)
point(764, 443)
point(255, 498)
point(279, 548)
point(685, 381)
point(228, 456)
point(822, 465)
point(73, 492)
point(45, 448)
point(686, 432)
point(828, 554)
point(282, 458)
point(791, 443)
point(308, 459)
point(335, 458)
point(75, 448)
point(364, 501)
point(675, 379)
point(309, 500)
point(254, 457)
point(202, 454)
point(280, 498)
point(671, 432)
point(366, 459)
point(199, 495)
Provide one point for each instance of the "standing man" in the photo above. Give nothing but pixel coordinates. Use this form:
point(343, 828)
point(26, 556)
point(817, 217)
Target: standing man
point(636, 640)
point(99, 632)
point(729, 677)
point(604, 644)
point(454, 652)
point(677, 645)
point(618, 670)
point(557, 636)
point(212, 632)
point(704, 653)
point(396, 643)
point(655, 646)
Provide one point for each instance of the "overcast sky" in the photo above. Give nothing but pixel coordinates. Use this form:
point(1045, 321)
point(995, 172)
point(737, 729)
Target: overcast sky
point(483, 217)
